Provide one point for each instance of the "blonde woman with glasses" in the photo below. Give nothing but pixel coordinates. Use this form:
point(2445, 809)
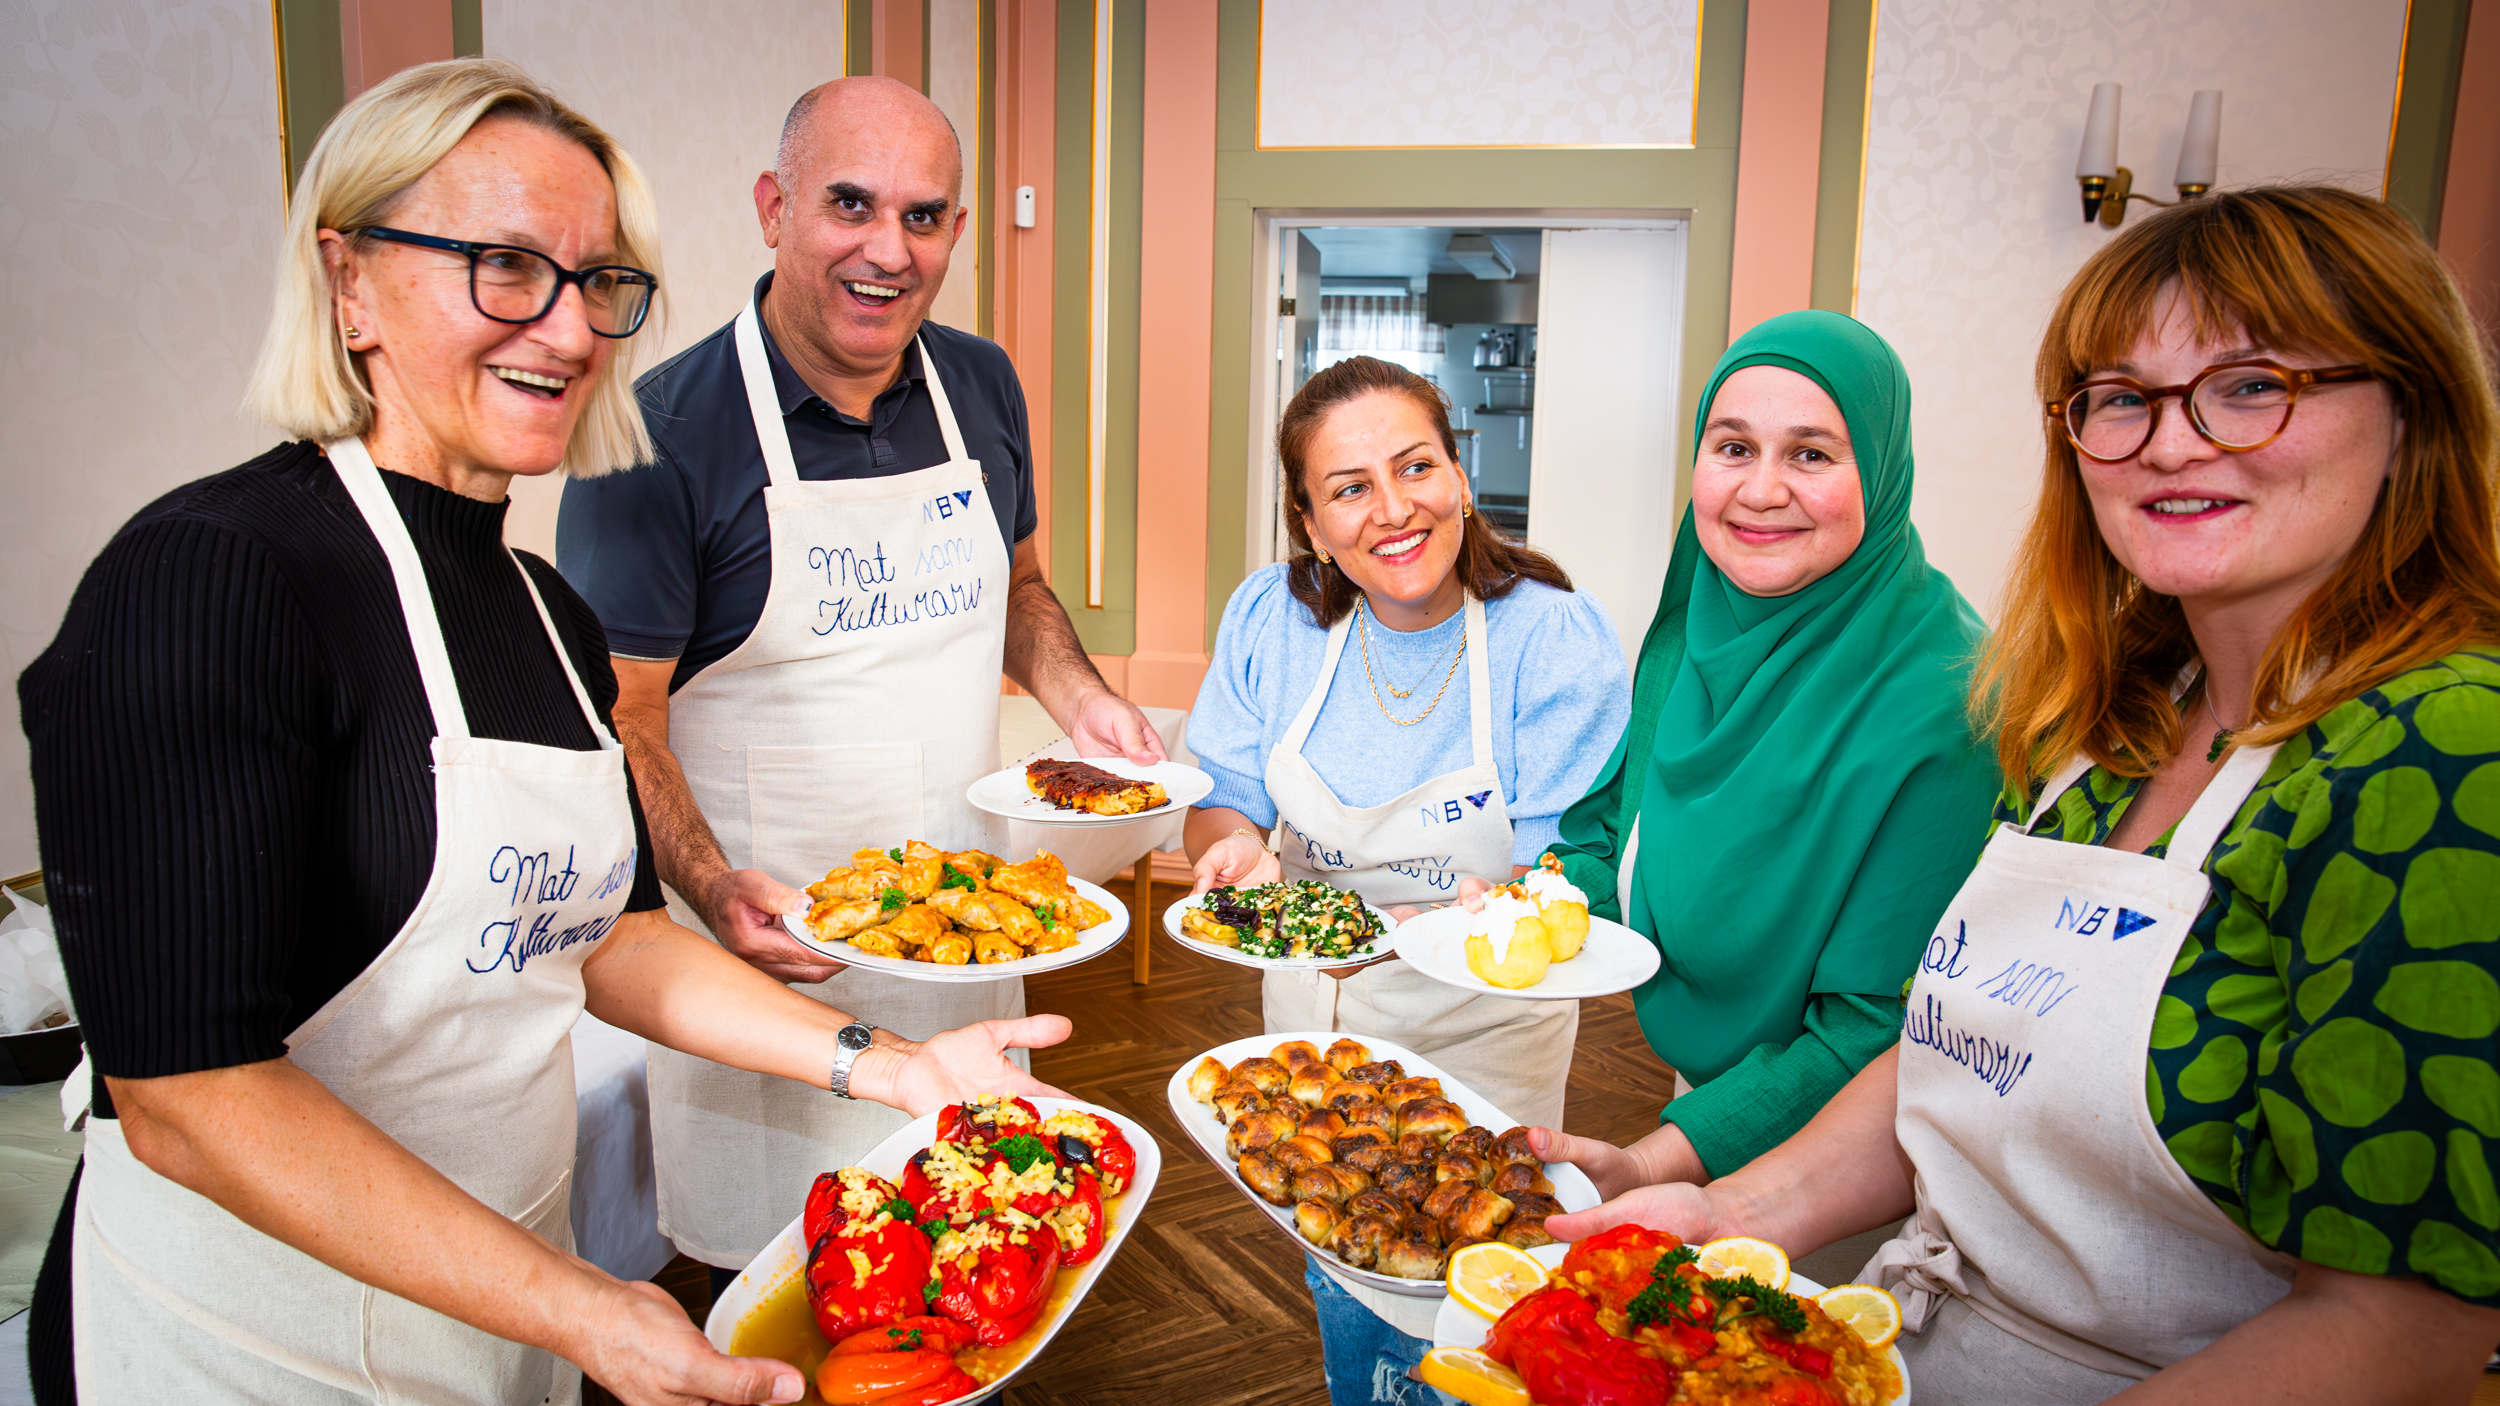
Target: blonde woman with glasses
point(342, 843)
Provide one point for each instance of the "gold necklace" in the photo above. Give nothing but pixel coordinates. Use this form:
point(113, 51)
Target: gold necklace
point(1362, 624)
point(1364, 630)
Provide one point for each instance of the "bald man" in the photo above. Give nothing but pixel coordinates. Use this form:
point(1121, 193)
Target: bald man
point(812, 591)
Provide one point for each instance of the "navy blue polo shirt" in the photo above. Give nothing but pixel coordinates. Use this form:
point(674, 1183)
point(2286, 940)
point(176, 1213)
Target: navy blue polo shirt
point(676, 556)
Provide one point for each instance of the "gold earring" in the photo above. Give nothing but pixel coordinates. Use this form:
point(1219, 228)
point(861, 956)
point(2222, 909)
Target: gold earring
point(1467, 509)
point(1325, 559)
point(353, 334)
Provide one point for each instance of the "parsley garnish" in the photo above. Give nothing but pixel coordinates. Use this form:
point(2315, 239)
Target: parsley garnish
point(928, 1293)
point(904, 1342)
point(890, 900)
point(1022, 1151)
point(896, 854)
point(933, 1228)
point(1669, 1293)
point(1780, 1308)
point(898, 1208)
point(1047, 912)
point(957, 879)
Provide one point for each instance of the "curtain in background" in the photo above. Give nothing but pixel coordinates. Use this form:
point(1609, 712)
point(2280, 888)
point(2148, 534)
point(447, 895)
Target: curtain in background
point(1349, 324)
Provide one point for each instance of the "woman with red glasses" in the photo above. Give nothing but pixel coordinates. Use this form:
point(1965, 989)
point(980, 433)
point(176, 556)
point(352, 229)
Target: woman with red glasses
point(2194, 1097)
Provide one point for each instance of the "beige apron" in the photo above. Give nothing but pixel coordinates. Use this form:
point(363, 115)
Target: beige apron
point(856, 714)
point(455, 1042)
point(2047, 1203)
point(1415, 849)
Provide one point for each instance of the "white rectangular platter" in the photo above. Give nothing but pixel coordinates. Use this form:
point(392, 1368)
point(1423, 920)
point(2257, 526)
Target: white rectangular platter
point(1091, 943)
point(784, 1260)
point(1571, 1186)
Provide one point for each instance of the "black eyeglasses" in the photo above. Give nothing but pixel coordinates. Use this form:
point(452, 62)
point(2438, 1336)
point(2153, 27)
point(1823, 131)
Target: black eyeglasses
point(2238, 405)
point(519, 286)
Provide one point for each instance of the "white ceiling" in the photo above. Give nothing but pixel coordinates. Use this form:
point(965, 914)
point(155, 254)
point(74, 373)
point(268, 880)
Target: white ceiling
point(1408, 251)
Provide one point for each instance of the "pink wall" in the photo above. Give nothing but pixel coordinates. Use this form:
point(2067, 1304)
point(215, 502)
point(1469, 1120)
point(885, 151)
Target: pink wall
point(378, 38)
point(1176, 278)
point(2469, 211)
point(1778, 159)
point(1022, 139)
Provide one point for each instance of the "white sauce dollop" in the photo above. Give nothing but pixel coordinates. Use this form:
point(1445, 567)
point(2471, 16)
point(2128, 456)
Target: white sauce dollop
point(1546, 886)
point(1499, 922)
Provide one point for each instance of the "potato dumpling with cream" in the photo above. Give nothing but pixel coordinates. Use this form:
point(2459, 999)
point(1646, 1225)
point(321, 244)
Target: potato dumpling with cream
point(1560, 904)
point(1507, 945)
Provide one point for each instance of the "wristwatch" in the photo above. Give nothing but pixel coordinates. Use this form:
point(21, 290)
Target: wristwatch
point(855, 1037)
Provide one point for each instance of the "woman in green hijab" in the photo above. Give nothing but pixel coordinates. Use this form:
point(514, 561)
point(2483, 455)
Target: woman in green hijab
point(1799, 792)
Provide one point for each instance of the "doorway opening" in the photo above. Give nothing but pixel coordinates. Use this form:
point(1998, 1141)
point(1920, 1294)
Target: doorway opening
point(1557, 339)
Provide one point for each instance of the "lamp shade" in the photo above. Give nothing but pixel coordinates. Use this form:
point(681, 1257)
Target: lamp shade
point(2200, 151)
point(2100, 133)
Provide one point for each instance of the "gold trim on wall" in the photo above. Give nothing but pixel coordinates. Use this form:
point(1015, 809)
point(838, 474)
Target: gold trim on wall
point(1866, 137)
point(2396, 105)
point(1098, 298)
point(286, 163)
point(1258, 109)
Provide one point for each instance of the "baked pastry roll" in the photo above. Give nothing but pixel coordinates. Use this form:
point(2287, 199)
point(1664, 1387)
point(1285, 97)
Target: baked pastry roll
point(1533, 1203)
point(1310, 1082)
point(1325, 1123)
point(983, 911)
point(1463, 1166)
point(951, 948)
point(1209, 1075)
point(1408, 1181)
point(1379, 1073)
point(1513, 1146)
point(1524, 1232)
point(1366, 1150)
point(1475, 1138)
point(1293, 1054)
point(1329, 1181)
point(1270, 1077)
point(989, 948)
point(1521, 1176)
point(1446, 1198)
point(1301, 1150)
point(1372, 1115)
point(1479, 1213)
point(1253, 1131)
point(1266, 1177)
point(1377, 1202)
point(1399, 1092)
point(1237, 1097)
point(1345, 1054)
point(1357, 1240)
point(1435, 1118)
point(1410, 1259)
point(1316, 1220)
point(1346, 1093)
point(840, 919)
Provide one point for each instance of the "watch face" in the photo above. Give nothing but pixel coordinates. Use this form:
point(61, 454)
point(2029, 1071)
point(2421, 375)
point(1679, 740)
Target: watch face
point(856, 1037)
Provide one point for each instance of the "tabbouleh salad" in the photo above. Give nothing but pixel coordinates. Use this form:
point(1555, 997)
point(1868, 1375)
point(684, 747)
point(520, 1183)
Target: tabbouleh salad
point(1302, 918)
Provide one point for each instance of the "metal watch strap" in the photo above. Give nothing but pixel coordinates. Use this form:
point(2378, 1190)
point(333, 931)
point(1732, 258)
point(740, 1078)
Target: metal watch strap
point(848, 1047)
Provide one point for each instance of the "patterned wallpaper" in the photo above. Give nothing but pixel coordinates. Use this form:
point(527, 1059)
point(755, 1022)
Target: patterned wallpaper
point(699, 103)
point(1392, 73)
point(1973, 223)
point(140, 208)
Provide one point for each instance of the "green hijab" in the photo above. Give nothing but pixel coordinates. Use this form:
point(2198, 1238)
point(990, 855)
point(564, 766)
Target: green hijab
point(1809, 791)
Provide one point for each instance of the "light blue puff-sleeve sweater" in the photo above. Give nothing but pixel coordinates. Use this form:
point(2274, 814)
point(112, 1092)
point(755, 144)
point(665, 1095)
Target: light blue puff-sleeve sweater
point(1561, 693)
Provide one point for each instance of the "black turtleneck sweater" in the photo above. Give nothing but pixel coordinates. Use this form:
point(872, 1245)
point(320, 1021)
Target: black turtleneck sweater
point(233, 784)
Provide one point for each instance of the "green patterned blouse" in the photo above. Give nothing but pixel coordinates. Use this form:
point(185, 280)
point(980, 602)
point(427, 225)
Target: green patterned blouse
point(2323, 1062)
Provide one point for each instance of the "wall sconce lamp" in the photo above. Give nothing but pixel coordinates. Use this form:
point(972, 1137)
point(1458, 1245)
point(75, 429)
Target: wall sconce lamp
point(2108, 186)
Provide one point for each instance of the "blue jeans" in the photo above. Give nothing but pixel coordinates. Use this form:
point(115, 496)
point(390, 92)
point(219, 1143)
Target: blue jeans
point(1367, 1360)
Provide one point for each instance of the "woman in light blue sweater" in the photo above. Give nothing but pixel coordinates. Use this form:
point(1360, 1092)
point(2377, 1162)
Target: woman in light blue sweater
point(1409, 701)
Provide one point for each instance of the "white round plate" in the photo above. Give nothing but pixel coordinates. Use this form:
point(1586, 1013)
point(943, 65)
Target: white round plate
point(1091, 943)
point(1005, 792)
point(785, 1258)
point(1380, 948)
point(1571, 1185)
point(1614, 958)
point(1457, 1325)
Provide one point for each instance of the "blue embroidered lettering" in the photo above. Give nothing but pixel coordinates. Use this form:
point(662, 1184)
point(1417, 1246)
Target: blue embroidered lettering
point(1998, 1065)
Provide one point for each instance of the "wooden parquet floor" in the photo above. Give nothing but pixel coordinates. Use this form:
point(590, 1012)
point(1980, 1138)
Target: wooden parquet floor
point(1205, 1303)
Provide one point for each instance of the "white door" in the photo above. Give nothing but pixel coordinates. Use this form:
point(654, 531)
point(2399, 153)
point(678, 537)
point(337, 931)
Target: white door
point(1601, 475)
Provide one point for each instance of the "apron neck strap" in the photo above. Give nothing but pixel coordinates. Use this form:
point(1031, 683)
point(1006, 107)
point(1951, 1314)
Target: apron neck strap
point(2214, 810)
point(756, 369)
point(564, 660)
point(1300, 730)
point(416, 600)
point(947, 427)
point(1479, 686)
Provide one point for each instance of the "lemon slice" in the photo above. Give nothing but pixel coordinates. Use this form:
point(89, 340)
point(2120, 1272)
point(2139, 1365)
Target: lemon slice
point(1490, 1277)
point(1473, 1377)
point(1742, 1254)
point(1871, 1312)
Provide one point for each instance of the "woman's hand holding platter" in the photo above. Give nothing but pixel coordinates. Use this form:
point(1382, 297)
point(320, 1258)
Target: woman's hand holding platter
point(1238, 859)
point(744, 907)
